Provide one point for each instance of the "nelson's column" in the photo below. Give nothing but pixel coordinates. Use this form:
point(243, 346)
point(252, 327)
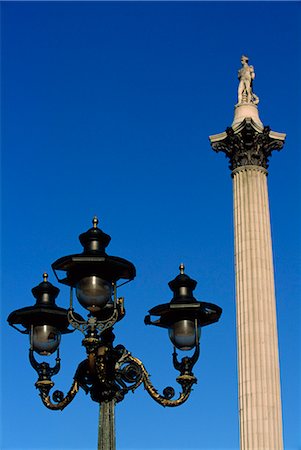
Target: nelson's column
point(248, 144)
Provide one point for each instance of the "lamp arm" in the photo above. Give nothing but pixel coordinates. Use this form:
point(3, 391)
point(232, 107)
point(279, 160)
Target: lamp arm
point(59, 401)
point(185, 380)
point(45, 384)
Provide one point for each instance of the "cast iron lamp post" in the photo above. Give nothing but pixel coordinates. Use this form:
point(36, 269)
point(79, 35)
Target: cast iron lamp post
point(108, 372)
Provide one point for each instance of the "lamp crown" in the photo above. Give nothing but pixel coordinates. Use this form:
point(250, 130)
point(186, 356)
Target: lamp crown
point(94, 240)
point(182, 287)
point(45, 293)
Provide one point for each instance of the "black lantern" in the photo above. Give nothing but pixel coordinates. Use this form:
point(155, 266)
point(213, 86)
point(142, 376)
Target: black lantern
point(93, 273)
point(184, 316)
point(44, 321)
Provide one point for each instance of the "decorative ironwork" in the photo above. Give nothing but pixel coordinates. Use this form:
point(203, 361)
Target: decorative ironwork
point(59, 400)
point(92, 323)
point(109, 373)
point(248, 146)
point(45, 384)
point(44, 371)
point(186, 380)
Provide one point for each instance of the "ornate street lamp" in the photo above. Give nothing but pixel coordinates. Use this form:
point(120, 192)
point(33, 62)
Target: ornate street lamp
point(109, 371)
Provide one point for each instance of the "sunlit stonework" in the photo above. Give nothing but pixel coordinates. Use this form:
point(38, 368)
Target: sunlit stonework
point(248, 144)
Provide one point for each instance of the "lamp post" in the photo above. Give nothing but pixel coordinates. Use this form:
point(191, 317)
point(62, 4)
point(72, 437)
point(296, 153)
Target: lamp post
point(108, 372)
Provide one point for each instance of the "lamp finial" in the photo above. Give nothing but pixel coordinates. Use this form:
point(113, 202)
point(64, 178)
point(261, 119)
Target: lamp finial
point(95, 222)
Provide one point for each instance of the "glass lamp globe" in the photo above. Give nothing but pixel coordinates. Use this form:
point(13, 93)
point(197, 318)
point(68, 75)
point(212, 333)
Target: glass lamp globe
point(93, 293)
point(184, 335)
point(45, 339)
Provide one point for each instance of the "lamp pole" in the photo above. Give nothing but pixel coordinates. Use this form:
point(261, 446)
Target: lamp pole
point(106, 426)
point(108, 372)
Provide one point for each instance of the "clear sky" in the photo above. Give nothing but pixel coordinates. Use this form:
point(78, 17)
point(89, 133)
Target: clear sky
point(106, 109)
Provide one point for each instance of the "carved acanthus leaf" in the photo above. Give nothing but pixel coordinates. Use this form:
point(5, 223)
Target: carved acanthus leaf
point(248, 146)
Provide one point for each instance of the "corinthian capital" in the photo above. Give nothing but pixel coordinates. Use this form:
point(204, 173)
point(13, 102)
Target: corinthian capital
point(247, 144)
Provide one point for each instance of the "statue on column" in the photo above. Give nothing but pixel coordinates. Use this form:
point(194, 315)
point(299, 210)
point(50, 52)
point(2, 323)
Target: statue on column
point(246, 76)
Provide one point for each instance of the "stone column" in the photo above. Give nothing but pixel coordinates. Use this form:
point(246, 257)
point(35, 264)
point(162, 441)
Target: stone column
point(248, 145)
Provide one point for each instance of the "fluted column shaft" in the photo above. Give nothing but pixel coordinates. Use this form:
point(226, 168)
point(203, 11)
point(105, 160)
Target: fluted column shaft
point(258, 361)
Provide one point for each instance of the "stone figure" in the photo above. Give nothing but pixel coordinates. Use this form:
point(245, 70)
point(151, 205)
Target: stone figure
point(246, 76)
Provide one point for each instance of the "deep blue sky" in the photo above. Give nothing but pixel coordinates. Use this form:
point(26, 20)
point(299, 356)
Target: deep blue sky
point(106, 110)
